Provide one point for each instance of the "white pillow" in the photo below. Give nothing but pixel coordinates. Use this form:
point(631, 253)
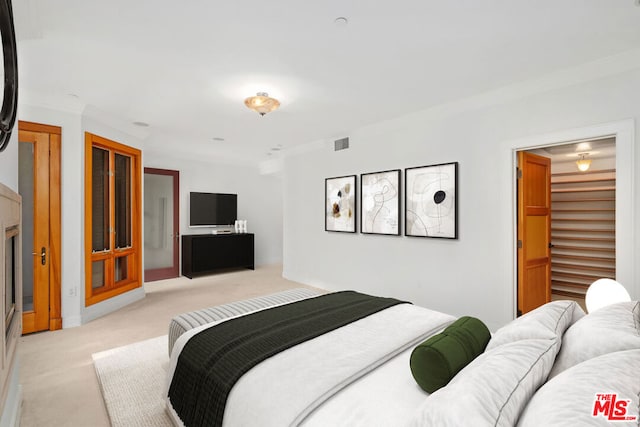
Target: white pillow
point(493, 389)
point(545, 322)
point(569, 399)
point(615, 327)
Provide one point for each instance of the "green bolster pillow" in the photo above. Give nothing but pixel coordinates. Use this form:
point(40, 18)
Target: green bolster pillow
point(437, 360)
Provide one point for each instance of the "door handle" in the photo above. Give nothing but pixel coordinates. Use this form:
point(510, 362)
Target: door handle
point(43, 255)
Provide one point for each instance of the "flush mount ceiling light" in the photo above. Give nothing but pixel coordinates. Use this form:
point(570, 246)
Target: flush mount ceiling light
point(583, 164)
point(262, 103)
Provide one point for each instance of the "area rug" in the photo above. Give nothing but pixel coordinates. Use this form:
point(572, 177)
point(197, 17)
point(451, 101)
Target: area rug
point(132, 379)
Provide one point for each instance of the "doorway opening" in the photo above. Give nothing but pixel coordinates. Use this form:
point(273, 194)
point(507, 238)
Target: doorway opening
point(161, 224)
point(582, 225)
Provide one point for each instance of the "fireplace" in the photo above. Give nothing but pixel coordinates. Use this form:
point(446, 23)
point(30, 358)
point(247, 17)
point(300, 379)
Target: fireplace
point(11, 286)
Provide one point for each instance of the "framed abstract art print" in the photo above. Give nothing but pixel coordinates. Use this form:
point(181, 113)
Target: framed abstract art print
point(340, 204)
point(431, 201)
point(380, 202)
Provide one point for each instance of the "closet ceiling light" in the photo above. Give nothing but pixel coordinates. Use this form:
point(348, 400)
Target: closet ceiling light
point(583, 164)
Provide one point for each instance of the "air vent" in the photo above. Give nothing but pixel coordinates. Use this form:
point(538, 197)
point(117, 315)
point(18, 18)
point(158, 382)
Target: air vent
point(341, 144)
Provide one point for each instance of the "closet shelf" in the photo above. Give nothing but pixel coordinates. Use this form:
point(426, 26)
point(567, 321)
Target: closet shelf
point(584, 248)
point(569, 294)
point(588, 277)
point(569, 284)
point(583, 268)
point(584, 220)
point(584, 210)
point(582, 190)
point(596, 199)
point(584, 258)
point(582, 182)
point(582, 230)
point(584, 239)
point(587, 173)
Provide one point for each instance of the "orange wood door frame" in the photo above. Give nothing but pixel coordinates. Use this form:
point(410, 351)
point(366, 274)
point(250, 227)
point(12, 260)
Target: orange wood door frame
point(47, 222)
point(534, 231)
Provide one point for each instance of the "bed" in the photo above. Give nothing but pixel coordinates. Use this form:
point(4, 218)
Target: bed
point(358, 374)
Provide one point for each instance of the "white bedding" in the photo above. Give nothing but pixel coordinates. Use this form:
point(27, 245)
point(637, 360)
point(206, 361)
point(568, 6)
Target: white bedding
point(332, 379)
point(387, 396)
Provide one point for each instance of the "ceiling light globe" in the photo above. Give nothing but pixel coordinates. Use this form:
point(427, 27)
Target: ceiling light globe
point(262, 103)
point(583, 164)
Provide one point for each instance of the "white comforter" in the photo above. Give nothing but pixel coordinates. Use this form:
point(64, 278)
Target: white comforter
point(286, 389)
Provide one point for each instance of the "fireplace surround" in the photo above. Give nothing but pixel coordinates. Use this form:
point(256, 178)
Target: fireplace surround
point(11, 285)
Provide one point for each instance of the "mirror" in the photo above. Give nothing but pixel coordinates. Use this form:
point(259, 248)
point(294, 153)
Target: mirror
point(9, 74)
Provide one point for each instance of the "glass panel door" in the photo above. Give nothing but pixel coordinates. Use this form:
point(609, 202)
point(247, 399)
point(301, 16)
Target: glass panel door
point(26, 190)
point(34, 185)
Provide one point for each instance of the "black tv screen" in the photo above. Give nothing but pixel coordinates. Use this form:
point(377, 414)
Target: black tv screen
point(209, 209)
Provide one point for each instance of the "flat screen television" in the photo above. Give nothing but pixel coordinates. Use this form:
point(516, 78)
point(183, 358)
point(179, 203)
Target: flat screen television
point(211, 209)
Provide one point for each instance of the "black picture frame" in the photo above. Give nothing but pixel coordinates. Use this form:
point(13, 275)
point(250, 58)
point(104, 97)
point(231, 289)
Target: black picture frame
point(431, 201)
point(9, 108)
point(380, 194)
point(341, 204)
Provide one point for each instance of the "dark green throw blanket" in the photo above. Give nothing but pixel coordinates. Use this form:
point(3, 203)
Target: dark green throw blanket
point(214, 359)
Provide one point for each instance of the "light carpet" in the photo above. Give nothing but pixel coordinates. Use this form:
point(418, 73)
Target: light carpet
point(132, 379)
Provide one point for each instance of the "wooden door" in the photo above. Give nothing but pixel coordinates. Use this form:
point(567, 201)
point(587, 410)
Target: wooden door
point(534, 231)
point(39, 186)
point(161, 224)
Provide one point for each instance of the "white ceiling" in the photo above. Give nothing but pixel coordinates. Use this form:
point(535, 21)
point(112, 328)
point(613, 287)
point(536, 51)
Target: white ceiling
point(185, 67)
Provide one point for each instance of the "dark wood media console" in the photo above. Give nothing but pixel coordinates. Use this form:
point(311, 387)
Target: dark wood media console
point(207, 253)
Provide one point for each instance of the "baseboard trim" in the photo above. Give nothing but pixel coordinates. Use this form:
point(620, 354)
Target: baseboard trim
point(112, 304)
point(71, 322)
point(10, 416)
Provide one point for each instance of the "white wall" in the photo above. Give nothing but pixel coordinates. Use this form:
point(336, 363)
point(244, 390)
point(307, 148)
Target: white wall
point(259, 198)
point(474, 274)
point(9, 162)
